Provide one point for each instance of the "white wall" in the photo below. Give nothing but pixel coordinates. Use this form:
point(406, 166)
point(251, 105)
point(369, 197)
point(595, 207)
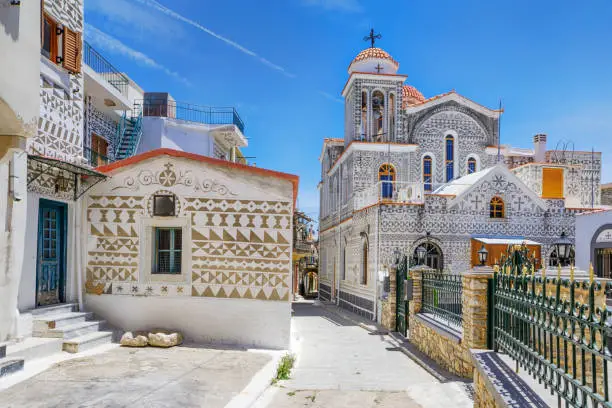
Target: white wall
point(245, 322)
point(586, 226)
point(20, 67)
point(27, 286)
point(177, 135)
point(12, 244)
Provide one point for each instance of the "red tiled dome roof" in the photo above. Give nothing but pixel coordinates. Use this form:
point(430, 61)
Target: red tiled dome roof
point(411, 95)
point(374, 53)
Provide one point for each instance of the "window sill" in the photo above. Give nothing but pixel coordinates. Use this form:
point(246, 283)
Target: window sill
point(54, 73)
point(166, 277)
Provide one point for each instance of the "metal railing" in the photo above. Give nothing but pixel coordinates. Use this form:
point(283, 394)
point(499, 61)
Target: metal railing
point(389, 192)
point(442, 297)
point(559, 331)
point(105, 69)
point(189, 112)
point(94, 158)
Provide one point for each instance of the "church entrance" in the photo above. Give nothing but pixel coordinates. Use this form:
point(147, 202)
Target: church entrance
point(428, 254)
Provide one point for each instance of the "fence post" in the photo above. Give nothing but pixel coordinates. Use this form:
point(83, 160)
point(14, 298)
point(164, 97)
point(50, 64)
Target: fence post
point(417, 291)
point(475, 307)
point(389, 306)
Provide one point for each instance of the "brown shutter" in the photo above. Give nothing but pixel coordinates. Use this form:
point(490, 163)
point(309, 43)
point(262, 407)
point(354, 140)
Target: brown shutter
point(72, 46)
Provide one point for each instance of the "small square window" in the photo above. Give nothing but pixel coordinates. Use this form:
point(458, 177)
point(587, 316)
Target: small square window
point(168, 250)
point(164, 205)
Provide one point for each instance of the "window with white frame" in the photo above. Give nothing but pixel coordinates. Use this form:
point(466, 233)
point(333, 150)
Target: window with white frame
point(168, 250)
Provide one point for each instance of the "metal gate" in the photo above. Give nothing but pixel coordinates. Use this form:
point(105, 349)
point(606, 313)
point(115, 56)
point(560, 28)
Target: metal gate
point(401, 312)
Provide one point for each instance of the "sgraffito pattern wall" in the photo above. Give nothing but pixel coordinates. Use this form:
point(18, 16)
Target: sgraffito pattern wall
point(239, 240)
point(60, 126)
point(100, 124)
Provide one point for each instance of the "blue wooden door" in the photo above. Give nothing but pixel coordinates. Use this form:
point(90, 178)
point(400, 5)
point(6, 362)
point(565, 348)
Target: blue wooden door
point(51, 266)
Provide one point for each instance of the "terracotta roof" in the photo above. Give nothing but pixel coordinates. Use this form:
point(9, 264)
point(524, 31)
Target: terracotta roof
point(374, 53)
point(197, 157)
point(433, 98)
point(410, 92)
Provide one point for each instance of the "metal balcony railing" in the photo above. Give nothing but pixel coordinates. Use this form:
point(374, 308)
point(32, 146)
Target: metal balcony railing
point(389, 192)
point(105, 69)
point(189, 112)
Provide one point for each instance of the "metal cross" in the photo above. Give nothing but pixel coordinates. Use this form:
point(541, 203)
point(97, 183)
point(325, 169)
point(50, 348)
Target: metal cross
point(372, 37)
point(379, 68)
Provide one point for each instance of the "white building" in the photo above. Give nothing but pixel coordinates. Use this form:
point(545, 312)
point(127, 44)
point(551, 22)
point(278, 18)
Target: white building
point(413, 173)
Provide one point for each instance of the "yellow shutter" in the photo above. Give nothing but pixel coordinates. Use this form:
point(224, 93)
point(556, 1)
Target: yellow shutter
point(552, 183)
point(72, 46)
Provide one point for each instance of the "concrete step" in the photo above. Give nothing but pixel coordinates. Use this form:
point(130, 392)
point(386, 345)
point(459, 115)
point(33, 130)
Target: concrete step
point(55, 309)
point(57, 321)
point(34, 347)
point(3, 347)
point(10, 366)
point(87, 341)
point(75, 330)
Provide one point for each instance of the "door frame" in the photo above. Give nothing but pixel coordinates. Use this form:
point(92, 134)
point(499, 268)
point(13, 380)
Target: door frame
point(63, 207)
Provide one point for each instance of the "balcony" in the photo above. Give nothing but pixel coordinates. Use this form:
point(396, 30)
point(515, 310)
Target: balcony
point(104, 82)
point(302, 246)
point(390, 192)
point(190, 113)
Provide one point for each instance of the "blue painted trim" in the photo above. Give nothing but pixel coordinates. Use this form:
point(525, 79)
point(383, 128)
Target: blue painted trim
point(63, 233)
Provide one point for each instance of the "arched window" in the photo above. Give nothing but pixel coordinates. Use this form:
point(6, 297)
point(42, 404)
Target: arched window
point(378, 109)
point(386, 175)
point(427, 173)
point(364, 116)
point(450, 158)
point(471, 168)
point(364, 263)
point(497, 208)
point(432, 256)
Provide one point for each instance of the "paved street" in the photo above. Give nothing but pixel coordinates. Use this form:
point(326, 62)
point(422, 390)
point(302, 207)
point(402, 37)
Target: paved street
point(340, 364)
point(149, 377)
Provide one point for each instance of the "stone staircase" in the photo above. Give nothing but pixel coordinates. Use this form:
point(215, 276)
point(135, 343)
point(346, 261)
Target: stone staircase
point(78, 330)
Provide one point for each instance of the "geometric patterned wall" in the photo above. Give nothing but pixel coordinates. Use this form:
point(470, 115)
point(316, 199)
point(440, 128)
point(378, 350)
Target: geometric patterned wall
point(60, 126)
point(241, 236)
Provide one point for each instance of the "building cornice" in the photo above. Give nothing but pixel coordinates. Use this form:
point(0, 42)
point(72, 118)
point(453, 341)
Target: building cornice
point(371, 147)
point(372, 77)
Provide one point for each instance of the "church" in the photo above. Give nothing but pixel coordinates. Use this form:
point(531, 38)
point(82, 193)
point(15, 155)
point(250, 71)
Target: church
point(429, 179)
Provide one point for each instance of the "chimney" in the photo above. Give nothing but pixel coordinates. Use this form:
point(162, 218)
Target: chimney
point(539, 143)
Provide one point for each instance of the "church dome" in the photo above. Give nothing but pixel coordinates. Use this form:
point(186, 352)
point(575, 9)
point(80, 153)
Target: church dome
point(411, 95)
point(374, 60)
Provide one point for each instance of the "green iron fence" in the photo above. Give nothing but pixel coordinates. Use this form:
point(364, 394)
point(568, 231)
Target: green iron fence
point(558, 330)
point(442, 297)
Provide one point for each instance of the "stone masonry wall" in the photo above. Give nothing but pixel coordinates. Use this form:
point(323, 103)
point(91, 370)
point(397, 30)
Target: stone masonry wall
point(482, 396)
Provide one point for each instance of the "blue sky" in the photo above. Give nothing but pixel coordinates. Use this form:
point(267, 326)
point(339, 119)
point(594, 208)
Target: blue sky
point(282, 64)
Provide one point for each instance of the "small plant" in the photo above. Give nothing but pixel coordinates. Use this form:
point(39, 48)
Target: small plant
point(283, 371)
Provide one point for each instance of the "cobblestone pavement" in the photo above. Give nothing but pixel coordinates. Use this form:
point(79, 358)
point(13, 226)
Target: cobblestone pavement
point(340, 364)
point(148, 377)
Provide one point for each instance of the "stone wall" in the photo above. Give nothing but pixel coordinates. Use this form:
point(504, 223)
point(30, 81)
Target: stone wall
point(482, 396)
point(448, 348)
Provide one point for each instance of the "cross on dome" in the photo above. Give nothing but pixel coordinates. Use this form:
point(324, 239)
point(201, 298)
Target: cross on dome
point(372, 37)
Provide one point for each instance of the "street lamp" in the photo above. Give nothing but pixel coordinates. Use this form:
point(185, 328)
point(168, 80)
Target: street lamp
point(483, 254)
point(563, 246)
point(421, 252)
point(397, 255)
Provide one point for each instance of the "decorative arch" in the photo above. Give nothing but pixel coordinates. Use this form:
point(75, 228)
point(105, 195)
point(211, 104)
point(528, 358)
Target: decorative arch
point(497, 208)
point(434, 257)
point(378, 114)
point(448, 109)
point(472, 165)
point(386, 175)
point(601, 253)
point(363, 131)
point(449, 156)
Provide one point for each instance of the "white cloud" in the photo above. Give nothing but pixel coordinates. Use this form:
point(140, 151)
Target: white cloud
point(111, 44)
point(330, 97)
point(127, 19)
point(352, 6)
point(161, 8)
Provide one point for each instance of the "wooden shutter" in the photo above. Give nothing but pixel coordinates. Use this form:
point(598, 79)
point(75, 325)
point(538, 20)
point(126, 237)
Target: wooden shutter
point(72, 47)
point(552, 182)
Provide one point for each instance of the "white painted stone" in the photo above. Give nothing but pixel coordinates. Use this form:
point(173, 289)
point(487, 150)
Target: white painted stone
point(129, 340)
point(158, 339)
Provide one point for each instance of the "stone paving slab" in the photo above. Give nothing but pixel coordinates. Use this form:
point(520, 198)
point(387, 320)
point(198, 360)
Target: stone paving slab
point(147, 377)
point(342, 399)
